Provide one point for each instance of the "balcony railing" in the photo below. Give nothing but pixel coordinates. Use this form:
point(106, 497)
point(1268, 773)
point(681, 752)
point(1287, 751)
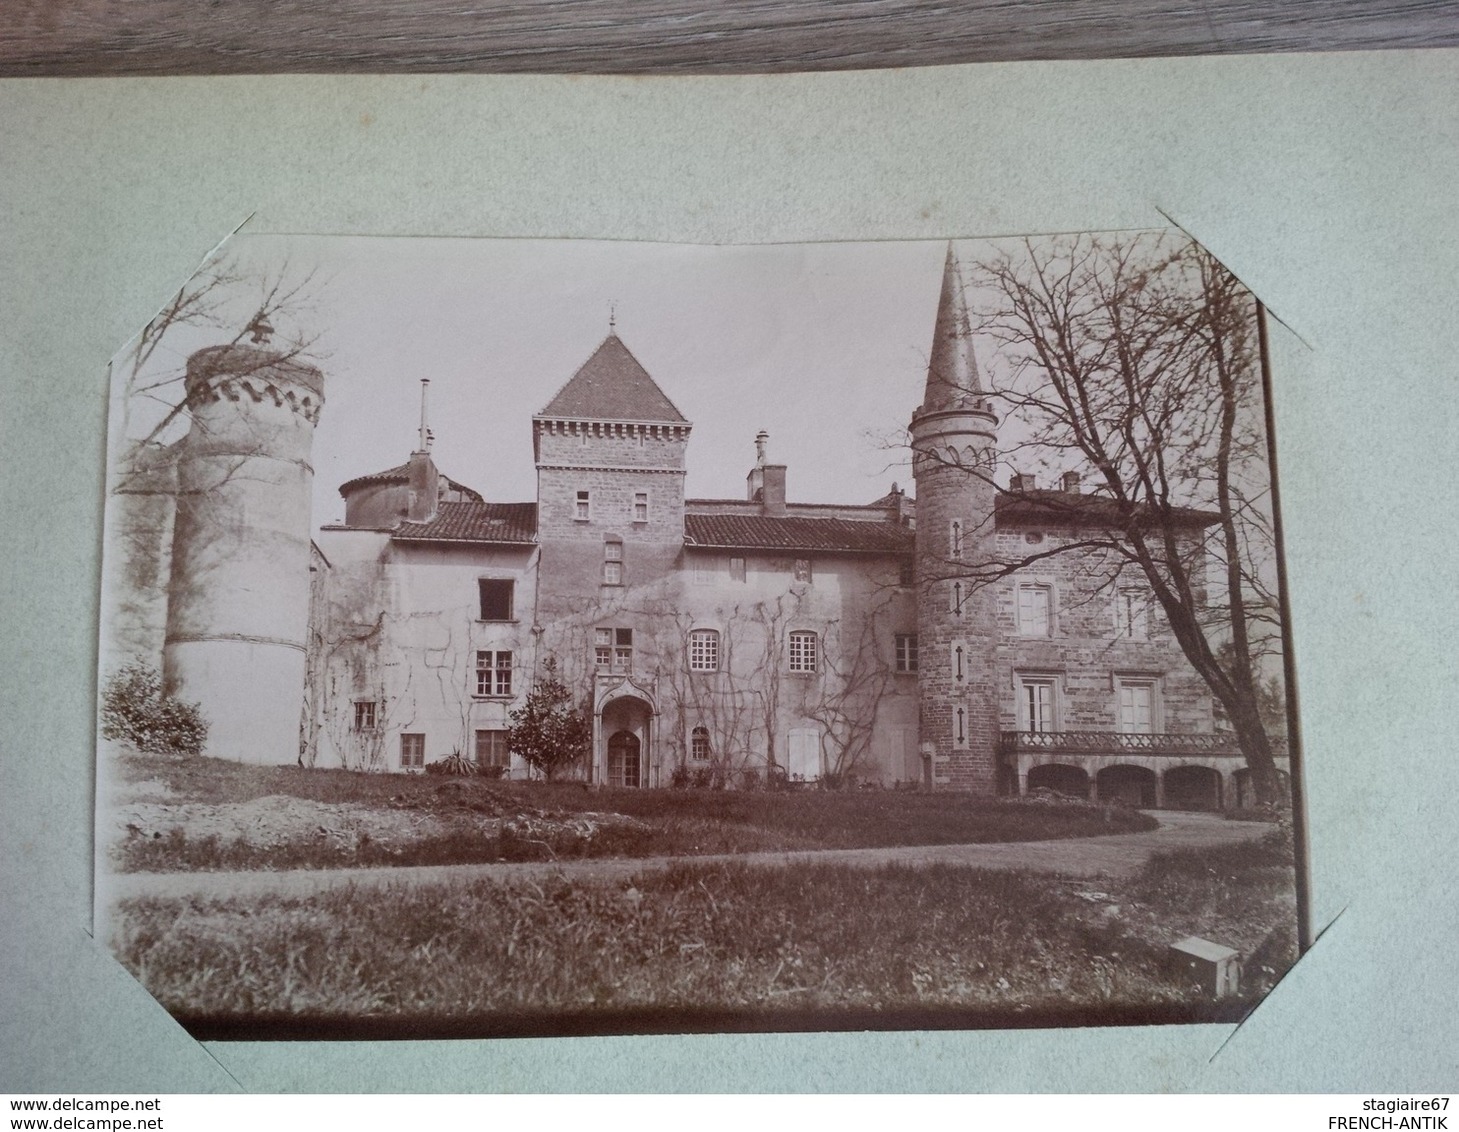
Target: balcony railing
point(1117, 742)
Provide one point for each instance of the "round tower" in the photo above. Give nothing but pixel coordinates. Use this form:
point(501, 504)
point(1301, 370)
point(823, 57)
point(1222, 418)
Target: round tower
point(238, 600)
point(954, 450)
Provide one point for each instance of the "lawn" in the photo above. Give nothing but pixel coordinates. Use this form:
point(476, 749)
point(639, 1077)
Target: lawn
point(695, 939)
point(210, 814)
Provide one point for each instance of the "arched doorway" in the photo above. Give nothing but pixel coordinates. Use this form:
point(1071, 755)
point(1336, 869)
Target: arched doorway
point(1193, 788)
point(1070, 780)
point(1128, 785)
point(625, 743)
point(623, 759)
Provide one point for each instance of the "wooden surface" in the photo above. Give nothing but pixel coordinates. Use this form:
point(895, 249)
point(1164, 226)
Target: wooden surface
point(148, 37)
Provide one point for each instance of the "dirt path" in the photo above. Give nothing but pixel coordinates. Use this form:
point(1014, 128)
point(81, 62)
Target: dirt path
point(1118, 855)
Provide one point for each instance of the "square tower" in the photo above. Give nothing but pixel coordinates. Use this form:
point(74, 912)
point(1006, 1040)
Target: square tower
point(609, 449)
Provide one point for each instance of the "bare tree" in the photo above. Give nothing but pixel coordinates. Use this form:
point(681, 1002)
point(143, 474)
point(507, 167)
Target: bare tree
point(221, 304)
point(1136, 361)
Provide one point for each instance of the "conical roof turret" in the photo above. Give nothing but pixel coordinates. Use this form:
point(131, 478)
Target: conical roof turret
point(952, 370)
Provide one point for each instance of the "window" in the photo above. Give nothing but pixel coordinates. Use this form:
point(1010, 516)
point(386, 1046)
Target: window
point(1036, 704)
point(803, 652)
point(1137, 707)
point(493, 673)
point(704, 650)
point(612, 563)
point(699, 745)
point(706, 570)
point(906, 572)
point(364, 715)
point(496, 598)
point(906, 652)
point(581, 514)
point(802, 569)
point(1132, 614)
point(412, 751)
point(613, 650)
point(1034, 603)
point(640, 507)
point(737, 569)
point(491, 749)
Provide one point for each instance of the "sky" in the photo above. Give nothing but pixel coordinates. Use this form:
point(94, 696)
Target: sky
point(823, 346)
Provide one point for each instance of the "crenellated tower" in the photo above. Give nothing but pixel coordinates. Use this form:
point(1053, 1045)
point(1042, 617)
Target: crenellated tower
point(954, 451)
point(238, 599)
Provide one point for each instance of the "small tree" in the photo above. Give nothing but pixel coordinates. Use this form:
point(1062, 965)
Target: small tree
point(548, 731)
point(135, 710)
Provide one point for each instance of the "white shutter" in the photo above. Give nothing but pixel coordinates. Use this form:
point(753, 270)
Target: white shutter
point(804, 759)
point(1136, 714)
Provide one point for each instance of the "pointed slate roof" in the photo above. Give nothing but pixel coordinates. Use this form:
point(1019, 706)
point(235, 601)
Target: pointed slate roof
point(612, 386)
point(952, 370)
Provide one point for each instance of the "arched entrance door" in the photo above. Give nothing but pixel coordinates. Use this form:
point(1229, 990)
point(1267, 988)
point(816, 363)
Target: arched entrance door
point(1192, 788)
point(1128, 785)
point(625, 754)
point(1070, 780)
point(623, 759)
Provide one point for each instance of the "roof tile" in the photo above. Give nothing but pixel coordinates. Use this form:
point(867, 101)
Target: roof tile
point(612, 386)
point(776, 532)
point(475, 522)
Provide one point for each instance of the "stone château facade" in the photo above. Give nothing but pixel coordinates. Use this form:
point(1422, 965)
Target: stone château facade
point(732, 638)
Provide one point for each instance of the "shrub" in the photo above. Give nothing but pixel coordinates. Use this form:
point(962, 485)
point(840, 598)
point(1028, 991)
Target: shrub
point(454, 763)
point(679, 778)
point(749, 778)
point(134, 710)
point(548, 731)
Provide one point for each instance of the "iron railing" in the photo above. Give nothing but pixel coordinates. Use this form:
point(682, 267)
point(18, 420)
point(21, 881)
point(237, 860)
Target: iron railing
point(1117, 742)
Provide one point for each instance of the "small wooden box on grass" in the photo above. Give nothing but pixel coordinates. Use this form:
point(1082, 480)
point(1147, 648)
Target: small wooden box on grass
point(1216, 968)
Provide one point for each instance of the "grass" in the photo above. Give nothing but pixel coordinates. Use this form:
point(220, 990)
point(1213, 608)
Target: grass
point(497, 821)
point(1242, 895)
point(692, 937)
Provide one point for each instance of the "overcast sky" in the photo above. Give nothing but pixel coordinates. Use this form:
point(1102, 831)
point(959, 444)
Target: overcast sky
point(825, 346)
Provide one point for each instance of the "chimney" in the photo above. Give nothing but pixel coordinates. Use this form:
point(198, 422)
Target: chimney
point(1021, 482)
point(424, 480)
point(772, 498)
point(755, 481)
point(1070, 482)
point(425, 485)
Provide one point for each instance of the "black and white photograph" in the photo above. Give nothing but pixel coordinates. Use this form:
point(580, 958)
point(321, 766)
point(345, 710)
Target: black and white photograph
point(531, 638)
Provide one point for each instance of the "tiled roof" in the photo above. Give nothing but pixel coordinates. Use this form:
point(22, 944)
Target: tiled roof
point(612, 386)
point(401, 474)
point(475, 522)
point(1078, 509)
point(776, 532)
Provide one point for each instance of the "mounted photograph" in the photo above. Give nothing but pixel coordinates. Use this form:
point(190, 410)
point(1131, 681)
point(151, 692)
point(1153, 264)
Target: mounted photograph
point(532, 638)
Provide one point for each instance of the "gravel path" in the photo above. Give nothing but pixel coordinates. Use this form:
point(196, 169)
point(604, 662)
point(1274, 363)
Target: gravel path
point(1118, 855)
